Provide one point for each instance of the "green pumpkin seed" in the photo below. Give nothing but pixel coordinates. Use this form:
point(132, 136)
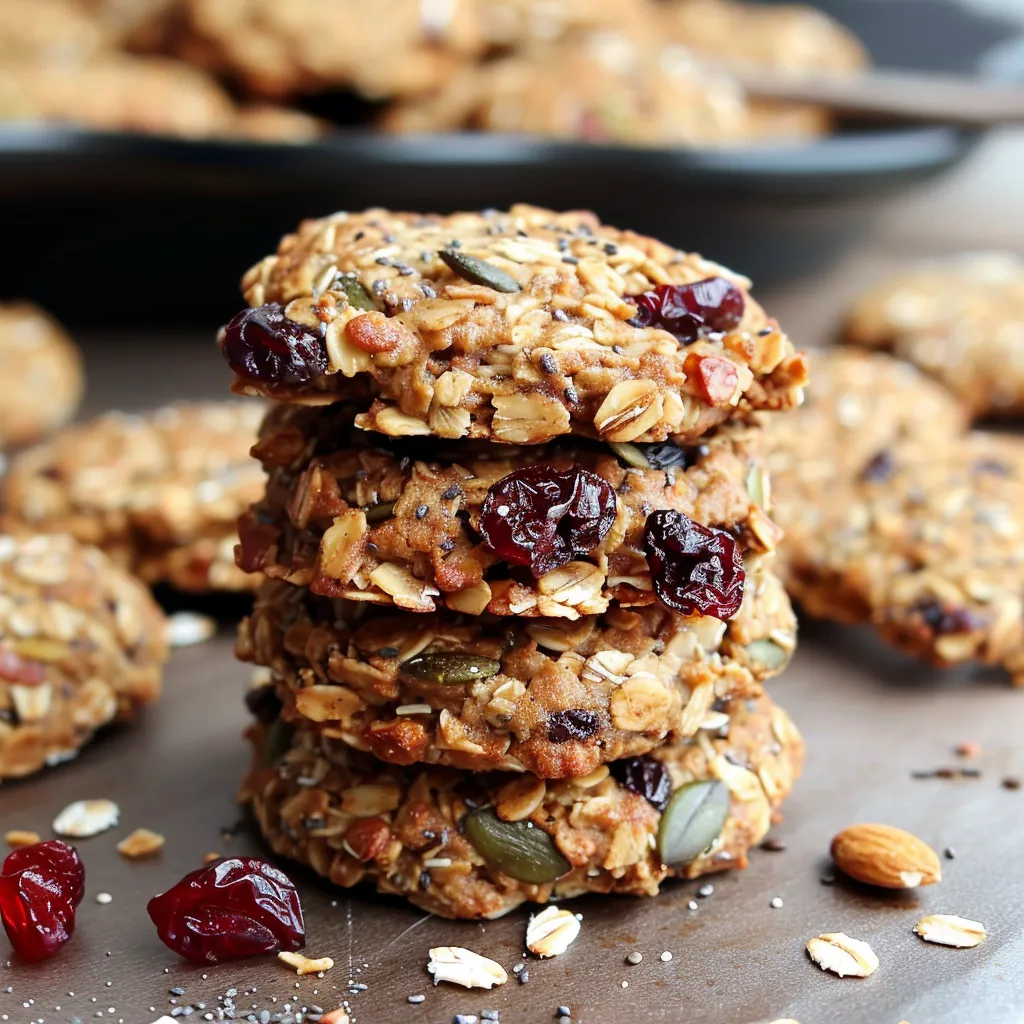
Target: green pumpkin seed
point(758, 486)
point(379, 512)
point(358, 297)
point(768, 653)
point(630, 454)
point(514, 848)
point(478, 271)
point(692, 821)
point(651, 455)
point(450, 669)
point(279, 739)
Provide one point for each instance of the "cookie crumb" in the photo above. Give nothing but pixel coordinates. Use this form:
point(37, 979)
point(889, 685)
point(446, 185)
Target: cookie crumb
point(968, 749)
point(1012, 782)
point(141, 843)
point(305, 964)
point(18, 838)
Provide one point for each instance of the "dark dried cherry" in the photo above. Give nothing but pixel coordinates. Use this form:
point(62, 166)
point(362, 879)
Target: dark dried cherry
point(645, 777)
point(695, 570)
point(40, 887)
point(690, 311)
point(574, 724)
point(263, 345)
point(544, 517)
point(944, 619)
point(233, 908)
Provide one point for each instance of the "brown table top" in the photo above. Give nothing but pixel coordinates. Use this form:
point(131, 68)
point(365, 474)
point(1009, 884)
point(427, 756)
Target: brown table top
point(870, 719)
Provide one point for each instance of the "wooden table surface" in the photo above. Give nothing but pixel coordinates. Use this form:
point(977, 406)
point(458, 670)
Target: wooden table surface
point(870, 719)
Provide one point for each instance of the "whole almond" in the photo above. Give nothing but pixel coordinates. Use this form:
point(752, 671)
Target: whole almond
point(885, 856)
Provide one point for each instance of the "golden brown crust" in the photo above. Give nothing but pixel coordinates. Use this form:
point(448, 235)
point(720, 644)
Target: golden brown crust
point(355, 820)
point(81, 643)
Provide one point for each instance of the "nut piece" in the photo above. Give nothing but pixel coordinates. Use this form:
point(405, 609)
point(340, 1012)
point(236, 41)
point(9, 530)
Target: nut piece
point(464, 967)
point(551, 932)
point(950, 930)
point(141, 843)
point(838, 953)
point(885, 856)
point(85, 818)
point(18, 838)
point(304, 964)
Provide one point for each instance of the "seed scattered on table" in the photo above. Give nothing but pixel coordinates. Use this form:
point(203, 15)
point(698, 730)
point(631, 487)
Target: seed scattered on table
point(635, 957)
point(104, 898)
point(968, 749)
point(773, 845)
point(705, 890)
point(776, 903)
point(416, 998)
point(666, 956)
point(1012, 782)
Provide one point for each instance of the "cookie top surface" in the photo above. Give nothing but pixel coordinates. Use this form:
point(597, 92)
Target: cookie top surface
point(172, 475)
point(518, 326)
point(41, 374)
point(47, 33)
point(960, 319)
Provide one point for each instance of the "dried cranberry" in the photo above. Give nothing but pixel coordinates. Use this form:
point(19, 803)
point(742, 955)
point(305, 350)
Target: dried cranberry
point(256, 542)
point(942, 620)
point(645, 777)
point(263, 345)
point(879, 468)
point(232, 908)
point(994, 466)
point(40, 886)
point(544, 517)
point(696, 570)
point(16, 669)
point(574, 724)
point(689, 311)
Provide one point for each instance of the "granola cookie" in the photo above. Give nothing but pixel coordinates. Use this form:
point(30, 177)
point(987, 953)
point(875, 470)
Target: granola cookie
point(893, 517)
point(81, 644)
point(518, 326)
point(465, 524)
point(42, 374)
point(548, 696)
point(960, 320)
point(47, 33)
point(160, 492)
point(477, 846)
point(280, 48)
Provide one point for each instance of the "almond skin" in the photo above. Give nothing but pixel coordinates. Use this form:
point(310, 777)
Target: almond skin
point(885, 856)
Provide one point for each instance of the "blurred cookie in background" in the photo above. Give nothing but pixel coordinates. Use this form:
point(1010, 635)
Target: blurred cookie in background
point(515, 23)
point(159, 492)
point(48, 33)
point(960, 319)
point(41, 374)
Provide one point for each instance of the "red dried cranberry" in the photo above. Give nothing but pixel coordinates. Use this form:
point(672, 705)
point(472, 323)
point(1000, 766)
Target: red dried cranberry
point(689, 311)
point(233, 908)
point(263, 345)
point(544, 517)
point(696, 570)
point(256, 542)
point(40, 886)
point(645, 777)
point(574, 724)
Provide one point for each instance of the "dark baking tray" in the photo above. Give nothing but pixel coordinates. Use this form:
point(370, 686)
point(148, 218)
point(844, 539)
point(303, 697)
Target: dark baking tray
point(116, 228)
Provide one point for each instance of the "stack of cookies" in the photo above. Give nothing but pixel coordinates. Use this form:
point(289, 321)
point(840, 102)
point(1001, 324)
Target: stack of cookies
point(518, 605)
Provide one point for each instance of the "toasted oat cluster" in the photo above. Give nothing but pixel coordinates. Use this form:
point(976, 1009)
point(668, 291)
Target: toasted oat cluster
point(548, 696)
point(81, 644)
point(961, 320)
point(41, 368)
point(351, 514)
point(477, 847)
point(895, 517)
point(517, 327)
point(159, 492)
point(48, 33)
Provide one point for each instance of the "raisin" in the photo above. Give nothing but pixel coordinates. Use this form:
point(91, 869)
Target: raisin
point(645, 777)
point(263, 703)
point(943, 620)
point(233, 908)
point(574, 724)
point(40, 887)
point(263, 345)
point(690, 311)
point(544, 517)
point(695, 570)
point(879, 468)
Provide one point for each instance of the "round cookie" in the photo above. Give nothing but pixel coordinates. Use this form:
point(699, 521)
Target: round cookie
point(81, 644)
point(48, 33)
point(549, 696)
point(479, 846)
point(159, 492)
point(518, 326)
point(408, 523)
point(960, 319)
point(42, 374)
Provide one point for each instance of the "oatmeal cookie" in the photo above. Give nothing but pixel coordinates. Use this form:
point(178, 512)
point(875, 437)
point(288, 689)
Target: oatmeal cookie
point(41, 371)
point(81, 644)
point(518, 326)
point(47, 33)
point(477, 846)
point(960, 320)
point(549, 530)
point(159, 492)
point(548, 696)
point(517, 23)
